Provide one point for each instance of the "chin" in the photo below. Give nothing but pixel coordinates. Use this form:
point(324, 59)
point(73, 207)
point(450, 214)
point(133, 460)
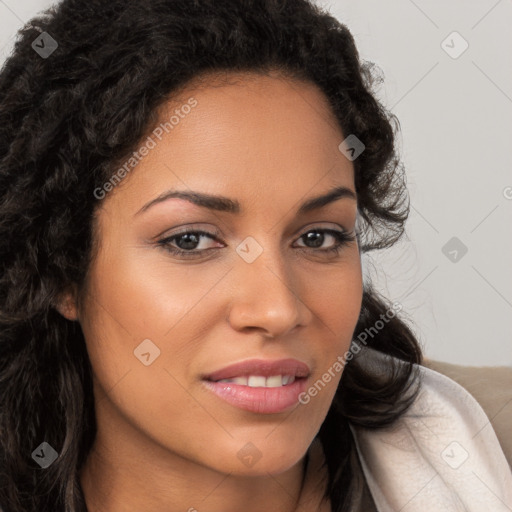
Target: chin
point(261, 457)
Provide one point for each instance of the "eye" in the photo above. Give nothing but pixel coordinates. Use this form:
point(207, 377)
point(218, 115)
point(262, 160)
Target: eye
point(187, 244)
point(317, 238)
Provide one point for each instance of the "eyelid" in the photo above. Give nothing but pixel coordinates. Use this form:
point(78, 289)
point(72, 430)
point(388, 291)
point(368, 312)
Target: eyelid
point(215, 232)
point(321, 225)
point(188, 228)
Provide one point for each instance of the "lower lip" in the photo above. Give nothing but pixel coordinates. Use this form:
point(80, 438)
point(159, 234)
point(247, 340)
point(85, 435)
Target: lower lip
point(260, 400)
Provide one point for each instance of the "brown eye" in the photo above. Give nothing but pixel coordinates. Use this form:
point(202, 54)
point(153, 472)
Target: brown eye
point(317, 237)
point(186, 243)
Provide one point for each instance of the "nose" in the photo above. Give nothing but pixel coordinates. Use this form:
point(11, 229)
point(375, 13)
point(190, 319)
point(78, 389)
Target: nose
point(267, 297)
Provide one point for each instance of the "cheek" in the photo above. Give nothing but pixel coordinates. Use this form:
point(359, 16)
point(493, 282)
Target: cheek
point(126, 307)
point(150, 296)
point(336, 299)
point(335, 296)
point(147, 311)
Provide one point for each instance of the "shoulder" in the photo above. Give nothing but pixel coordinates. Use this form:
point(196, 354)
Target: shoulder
point(491, 387)
point(443, 451)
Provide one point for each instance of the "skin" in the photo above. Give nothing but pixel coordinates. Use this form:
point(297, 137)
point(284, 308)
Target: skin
point(164, 442)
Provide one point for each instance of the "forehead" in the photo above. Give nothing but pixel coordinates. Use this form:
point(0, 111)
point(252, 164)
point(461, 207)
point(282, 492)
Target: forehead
point(246, 131)
point(253, 97)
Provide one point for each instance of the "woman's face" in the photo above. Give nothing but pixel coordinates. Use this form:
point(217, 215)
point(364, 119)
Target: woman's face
point(159, 324)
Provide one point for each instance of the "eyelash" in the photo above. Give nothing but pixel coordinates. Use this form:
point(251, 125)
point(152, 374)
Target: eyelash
point(342, 239)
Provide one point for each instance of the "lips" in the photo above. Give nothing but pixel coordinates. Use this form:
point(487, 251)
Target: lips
point(260, 386)
point(261, 368)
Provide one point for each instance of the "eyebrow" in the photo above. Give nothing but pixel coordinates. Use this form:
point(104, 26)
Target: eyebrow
point(225, 204)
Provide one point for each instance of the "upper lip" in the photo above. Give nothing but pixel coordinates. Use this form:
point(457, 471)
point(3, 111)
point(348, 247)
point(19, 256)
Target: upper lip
point(262, 367)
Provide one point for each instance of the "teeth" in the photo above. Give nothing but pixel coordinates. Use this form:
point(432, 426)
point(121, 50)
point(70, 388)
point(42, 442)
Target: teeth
point(275, 381)
point(288, 379)
point(237, 380)
point(257, 381)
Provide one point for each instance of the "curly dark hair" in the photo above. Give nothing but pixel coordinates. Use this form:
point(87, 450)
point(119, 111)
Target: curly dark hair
point(66, 120)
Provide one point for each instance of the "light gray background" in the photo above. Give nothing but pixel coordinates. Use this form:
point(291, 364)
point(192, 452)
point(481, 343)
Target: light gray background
point(456, 124)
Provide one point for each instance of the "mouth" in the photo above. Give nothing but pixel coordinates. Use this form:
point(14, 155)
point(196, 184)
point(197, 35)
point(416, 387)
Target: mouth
point(259, 386)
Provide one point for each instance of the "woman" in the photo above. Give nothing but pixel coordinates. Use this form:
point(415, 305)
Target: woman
point(187, 188)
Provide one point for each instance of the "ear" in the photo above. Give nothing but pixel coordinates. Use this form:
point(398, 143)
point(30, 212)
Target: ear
point(66, 305)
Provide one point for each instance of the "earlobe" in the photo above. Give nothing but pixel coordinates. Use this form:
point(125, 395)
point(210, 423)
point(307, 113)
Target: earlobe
point(67, 304)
